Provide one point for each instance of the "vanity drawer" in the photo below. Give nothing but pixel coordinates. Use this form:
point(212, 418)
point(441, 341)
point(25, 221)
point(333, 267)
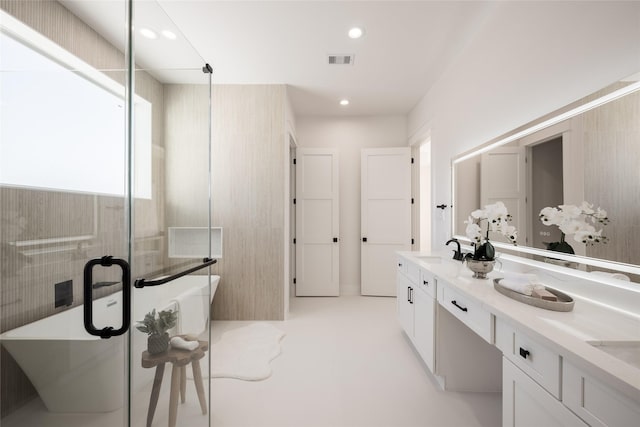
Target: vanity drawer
point(594, 402)
point(536, 360)
point(467, 310)
point(427, 283)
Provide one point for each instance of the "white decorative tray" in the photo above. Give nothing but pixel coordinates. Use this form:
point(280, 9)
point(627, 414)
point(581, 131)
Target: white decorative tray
point(564, 303)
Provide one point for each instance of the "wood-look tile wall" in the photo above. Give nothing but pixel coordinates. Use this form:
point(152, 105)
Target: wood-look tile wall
point(27, 292)
point(247, 187)
point(248, 200)
point(611, 136)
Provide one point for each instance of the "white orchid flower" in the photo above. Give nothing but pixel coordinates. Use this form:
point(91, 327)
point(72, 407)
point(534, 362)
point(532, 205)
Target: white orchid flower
point(550, 216)
point(587, 208)
point(474, 232)
point(570, 211)
point(478, 214)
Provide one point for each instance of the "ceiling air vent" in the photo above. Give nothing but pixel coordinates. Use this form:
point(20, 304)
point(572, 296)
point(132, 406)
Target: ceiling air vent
point(341, 59)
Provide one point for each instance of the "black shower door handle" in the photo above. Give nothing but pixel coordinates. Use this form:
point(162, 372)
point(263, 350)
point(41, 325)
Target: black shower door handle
point(108, 331)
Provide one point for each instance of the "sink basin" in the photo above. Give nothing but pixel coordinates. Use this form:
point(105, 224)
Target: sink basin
point(430, 259)
point(626, 351)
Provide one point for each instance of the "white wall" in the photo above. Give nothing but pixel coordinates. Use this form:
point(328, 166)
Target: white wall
point(529, 58)
point(349, 135)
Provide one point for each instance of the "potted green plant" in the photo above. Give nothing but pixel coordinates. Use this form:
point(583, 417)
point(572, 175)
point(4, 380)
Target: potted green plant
point(156, 326)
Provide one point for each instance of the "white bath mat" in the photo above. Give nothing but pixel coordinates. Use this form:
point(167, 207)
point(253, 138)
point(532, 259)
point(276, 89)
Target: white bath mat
point(245, 353)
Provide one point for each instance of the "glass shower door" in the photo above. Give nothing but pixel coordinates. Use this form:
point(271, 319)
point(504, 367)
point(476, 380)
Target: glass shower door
point(103, 186)
point(172, 253)
point(64, 192)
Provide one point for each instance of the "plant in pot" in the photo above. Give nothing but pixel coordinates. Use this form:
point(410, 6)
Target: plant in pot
point(497, 220)
point(578, 221)
point(156, 326)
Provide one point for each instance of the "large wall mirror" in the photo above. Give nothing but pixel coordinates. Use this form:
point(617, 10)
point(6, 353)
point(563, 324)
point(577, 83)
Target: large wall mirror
point(588, 151)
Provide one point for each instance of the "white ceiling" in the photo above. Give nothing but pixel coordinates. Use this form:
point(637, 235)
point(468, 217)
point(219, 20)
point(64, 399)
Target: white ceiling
point(406, 47)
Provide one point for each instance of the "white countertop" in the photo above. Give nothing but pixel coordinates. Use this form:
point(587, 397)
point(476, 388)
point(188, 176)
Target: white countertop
point(567, 333)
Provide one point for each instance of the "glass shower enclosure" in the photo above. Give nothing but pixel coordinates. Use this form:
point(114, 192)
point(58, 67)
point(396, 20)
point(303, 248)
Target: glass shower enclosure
point(105, 207)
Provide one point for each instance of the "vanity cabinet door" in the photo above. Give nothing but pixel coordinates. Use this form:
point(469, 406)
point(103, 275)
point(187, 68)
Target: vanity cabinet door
point(526, 404)
point(424, 323)
point(404, 301)
point(596, 403)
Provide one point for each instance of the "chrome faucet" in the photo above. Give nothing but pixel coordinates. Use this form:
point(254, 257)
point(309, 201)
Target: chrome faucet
point(457, 254)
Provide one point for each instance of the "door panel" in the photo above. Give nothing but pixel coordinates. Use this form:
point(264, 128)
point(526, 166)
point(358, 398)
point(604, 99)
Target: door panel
point(386, 221)
point(385, 216)
point(317, 223)
point(503, 173)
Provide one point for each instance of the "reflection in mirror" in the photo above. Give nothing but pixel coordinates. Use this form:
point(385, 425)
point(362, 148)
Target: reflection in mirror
point(589, 151)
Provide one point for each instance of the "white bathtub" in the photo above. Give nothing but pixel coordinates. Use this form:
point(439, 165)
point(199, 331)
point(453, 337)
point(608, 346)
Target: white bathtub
point(77, 372)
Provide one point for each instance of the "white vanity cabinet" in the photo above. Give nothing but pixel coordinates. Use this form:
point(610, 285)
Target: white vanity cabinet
point(424, 325)
point(474, 339)
point(467, 310)
point(534, 359)
point(404, 296)
point(596, 403)
point(531, 381)
point(416, 308)
point(527, 404)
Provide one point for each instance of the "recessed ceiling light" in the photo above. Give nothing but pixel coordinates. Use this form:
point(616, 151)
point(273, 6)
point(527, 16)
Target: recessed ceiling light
point(169, 34)
point(356, 32)
point(344, 102)
point(150, 34)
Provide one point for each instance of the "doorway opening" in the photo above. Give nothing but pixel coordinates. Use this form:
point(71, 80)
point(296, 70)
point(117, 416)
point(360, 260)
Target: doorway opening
point(425, 195)
point(547, 174)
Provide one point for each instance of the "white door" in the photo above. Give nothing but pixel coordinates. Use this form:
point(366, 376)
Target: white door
point(317, 226)
point(502, 178)
point(385, 216)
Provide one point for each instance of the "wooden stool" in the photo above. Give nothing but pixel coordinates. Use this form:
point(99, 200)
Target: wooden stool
point(179, 359)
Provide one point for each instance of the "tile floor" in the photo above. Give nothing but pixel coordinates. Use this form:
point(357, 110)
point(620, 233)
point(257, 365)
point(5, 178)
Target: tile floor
point(345, 363)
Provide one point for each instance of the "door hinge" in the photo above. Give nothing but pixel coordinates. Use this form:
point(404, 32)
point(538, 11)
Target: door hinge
point(294, 201)
point(294, 280)
point(294, 161)
point(412, 160)
point(413, 241)
point(294, 240)
point(412, 201)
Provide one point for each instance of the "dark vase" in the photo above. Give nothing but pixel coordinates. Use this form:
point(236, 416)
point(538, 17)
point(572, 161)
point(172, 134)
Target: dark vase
point(561, 246)
point(158, 343)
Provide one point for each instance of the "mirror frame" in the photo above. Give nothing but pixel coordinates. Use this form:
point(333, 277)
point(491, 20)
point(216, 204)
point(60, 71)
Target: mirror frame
point(610, 93)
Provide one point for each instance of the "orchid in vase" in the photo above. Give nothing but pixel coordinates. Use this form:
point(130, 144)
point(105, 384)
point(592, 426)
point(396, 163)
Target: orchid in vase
point(577, 220)
point(497, 220)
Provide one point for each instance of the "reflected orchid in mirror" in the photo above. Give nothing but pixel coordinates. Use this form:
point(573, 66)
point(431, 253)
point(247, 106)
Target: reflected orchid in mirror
point(498, 219)
point(577, 220)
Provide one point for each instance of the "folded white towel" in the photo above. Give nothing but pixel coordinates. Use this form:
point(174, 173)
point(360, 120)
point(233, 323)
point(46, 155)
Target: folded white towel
point(522, 283)
point(182, 344)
